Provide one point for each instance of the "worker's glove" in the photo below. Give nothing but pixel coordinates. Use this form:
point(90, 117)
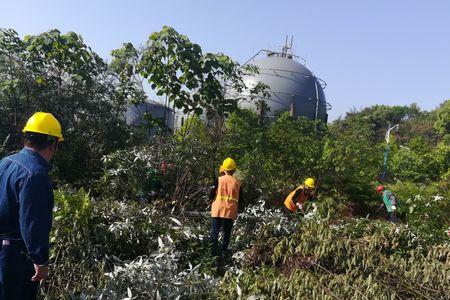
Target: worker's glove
point(300, 208)
point(393, 207)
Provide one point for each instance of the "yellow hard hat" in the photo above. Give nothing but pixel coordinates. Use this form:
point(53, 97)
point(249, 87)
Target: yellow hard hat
point(310, 183)
point(45, 123)
point(221, 169)
point(229, 164)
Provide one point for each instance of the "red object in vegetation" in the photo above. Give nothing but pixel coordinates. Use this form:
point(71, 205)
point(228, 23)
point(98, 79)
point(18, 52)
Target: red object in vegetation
point(164, 167)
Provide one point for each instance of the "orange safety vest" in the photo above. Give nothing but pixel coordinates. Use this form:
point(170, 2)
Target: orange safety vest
point(226, 203)
point(289, 202)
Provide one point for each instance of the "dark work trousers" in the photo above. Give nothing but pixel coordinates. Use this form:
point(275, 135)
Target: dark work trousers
point(16, 270)
point(393, 216)
point(216, 224)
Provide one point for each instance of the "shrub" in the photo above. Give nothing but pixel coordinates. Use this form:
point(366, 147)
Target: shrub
point(358, 259)
point(133, 174)
point(426, 208)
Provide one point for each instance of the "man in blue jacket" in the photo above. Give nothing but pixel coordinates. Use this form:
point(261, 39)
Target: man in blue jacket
point(26, 204)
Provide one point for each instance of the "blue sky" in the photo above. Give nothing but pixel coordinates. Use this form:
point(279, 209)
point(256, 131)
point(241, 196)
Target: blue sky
point(369, 52)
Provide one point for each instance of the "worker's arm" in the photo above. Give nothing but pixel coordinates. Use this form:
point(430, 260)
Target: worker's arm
point(313, 197)
point(297, 195)
point(213, 191)
point(35, 216)
point(393, 202)
point(295, 199)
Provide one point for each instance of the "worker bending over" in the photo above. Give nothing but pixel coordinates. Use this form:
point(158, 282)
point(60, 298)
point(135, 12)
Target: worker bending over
point(389, 201)
point(224, 208)
point(295, 200)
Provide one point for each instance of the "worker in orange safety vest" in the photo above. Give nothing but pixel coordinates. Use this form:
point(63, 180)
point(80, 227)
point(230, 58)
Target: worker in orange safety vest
point(224, 208)
point(295, 200)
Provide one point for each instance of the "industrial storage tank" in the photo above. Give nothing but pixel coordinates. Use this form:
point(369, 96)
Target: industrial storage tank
point(292, 87)
point(137, 115)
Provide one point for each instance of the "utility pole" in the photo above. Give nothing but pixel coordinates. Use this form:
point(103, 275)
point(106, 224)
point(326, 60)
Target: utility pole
point(386, 153)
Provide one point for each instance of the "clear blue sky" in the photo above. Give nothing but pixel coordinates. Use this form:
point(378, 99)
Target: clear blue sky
point(369, 52)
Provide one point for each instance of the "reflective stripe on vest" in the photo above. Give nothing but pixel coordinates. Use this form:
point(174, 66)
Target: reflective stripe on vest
point(226, 198)
point(226, 203)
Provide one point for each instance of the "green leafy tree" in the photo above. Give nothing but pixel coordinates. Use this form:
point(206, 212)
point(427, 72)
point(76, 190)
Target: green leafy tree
point(351, 158)
point(130, 85)
point(414, 166)
point(421, 126)
point(301, 143)
point(273, 157)
point(441, 157)
point(192, 80)
point(245, 140)
point(381, 115)
point(60, 74)
point(442, 124)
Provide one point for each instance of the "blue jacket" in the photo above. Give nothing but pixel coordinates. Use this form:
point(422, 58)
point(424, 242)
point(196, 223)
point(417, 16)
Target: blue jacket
point(26, 202)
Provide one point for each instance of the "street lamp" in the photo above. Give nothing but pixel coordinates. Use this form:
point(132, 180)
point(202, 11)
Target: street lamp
point(388, 135)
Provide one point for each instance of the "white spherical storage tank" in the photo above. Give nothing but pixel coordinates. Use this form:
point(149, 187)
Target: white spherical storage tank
point(291, 87)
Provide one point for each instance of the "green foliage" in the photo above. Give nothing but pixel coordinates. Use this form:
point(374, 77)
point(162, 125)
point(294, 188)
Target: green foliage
point(256, 146)
point(120, 249)
point(442, 124)
point(301, 141)
point(145, 252)
point(358, 259)
point(88, 237)
point(191, 161)
point(441, 156)
point(93, 242)
point(380, 115)
point(130, 85)
point(420, 161)
point(351, 158)
point(420, 126)
point(132, 174)
point(75, 206)
point(426, 208)
point(192, 80)
point(73, 253)
point(60, 74)
point(193, 128)
point(409, 165)
point(344, 156)
point(245, 141)
point(414, 153)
